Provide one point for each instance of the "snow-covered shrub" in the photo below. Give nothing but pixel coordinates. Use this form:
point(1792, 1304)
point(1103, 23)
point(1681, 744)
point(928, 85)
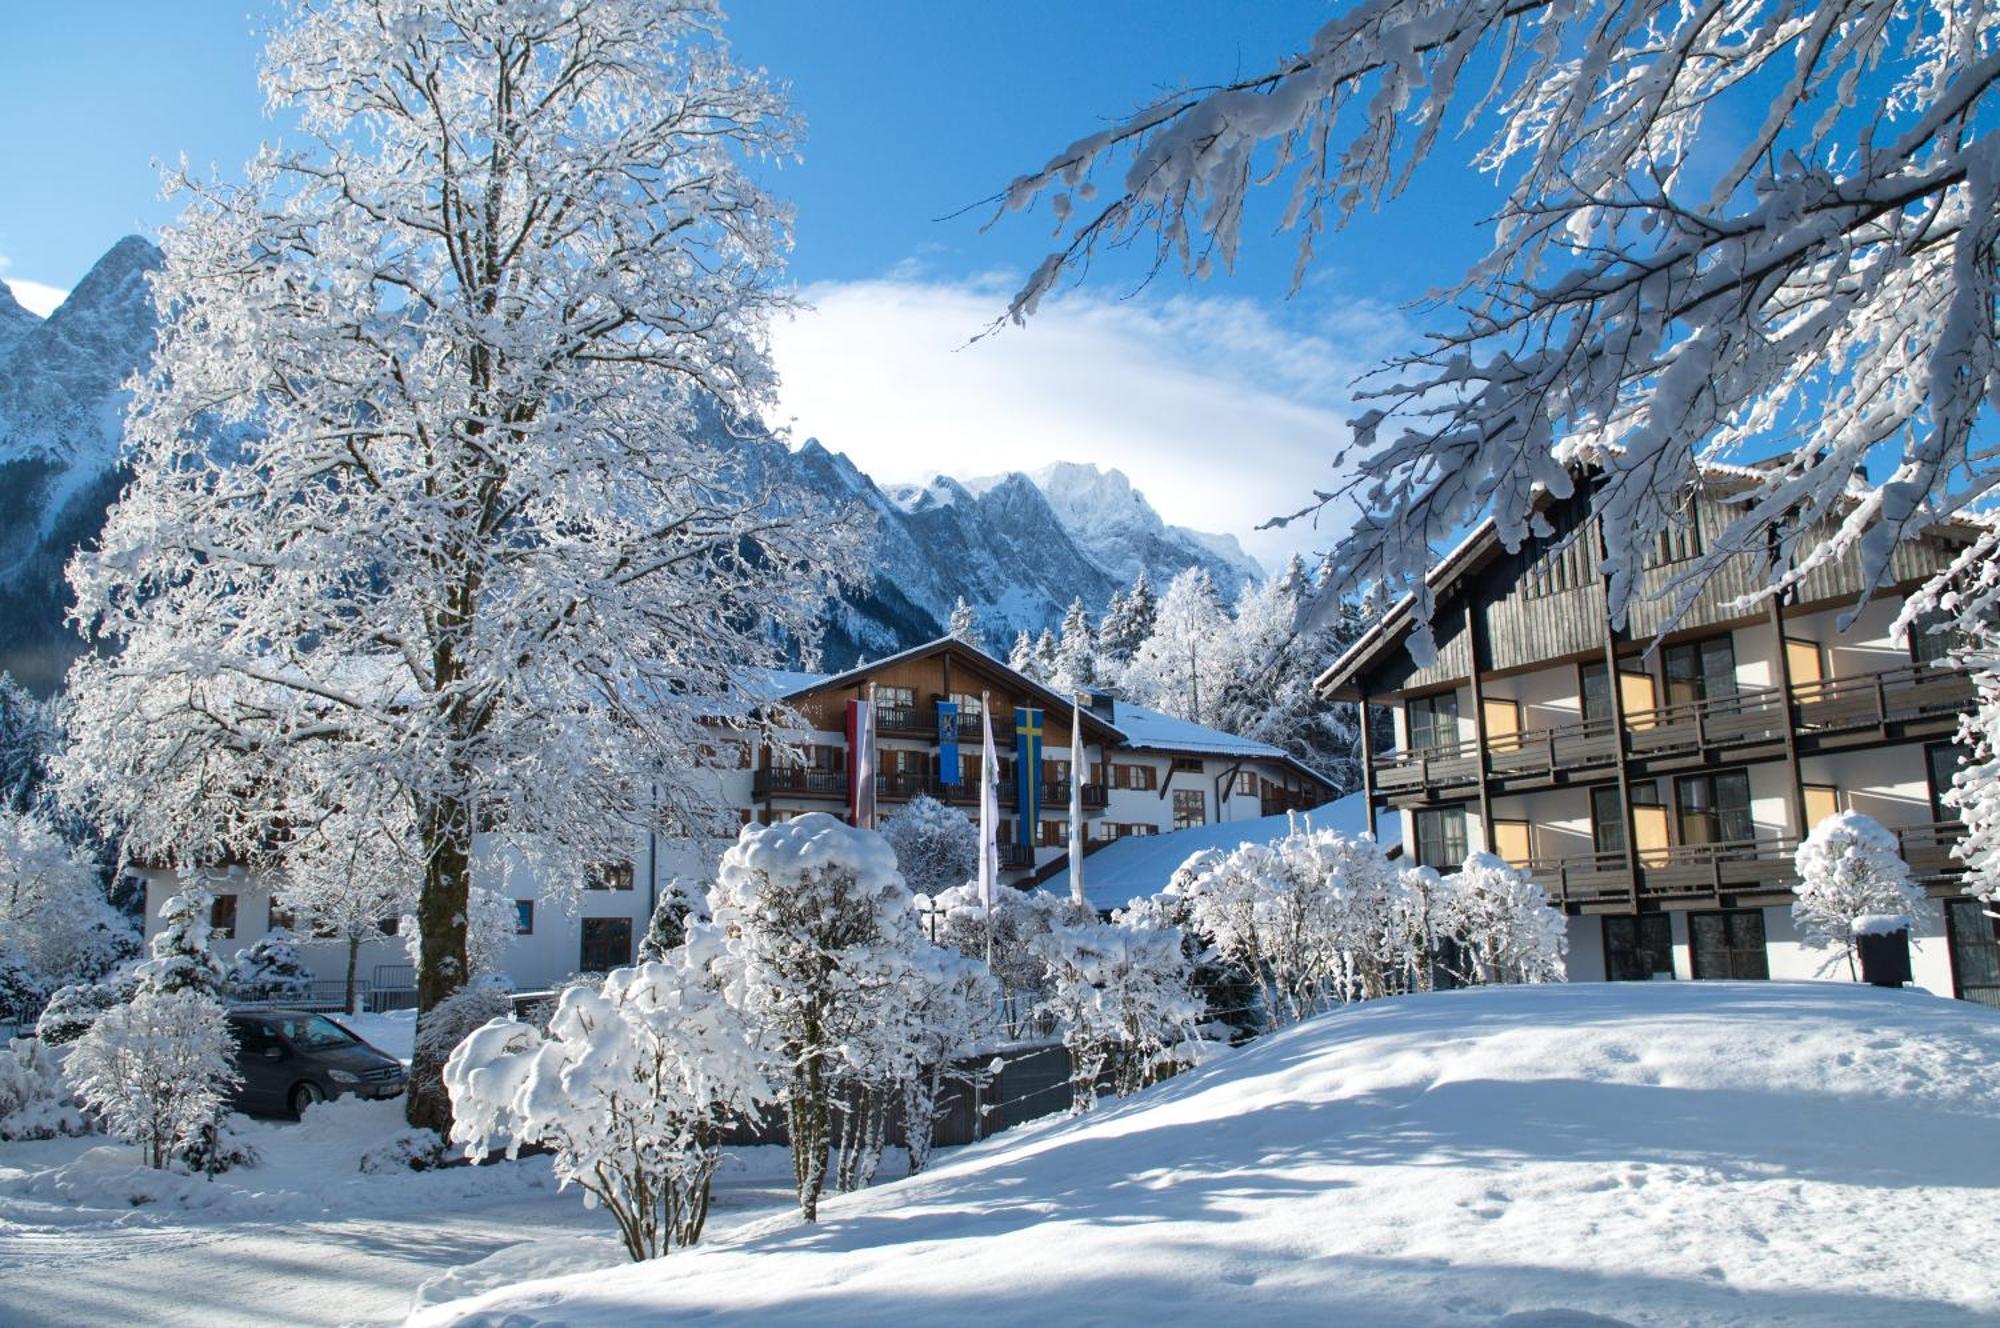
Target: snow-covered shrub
point(1850, 867)
point(1502, 925)
point(218, 1147)
point(71, 1010)
point(182, 959)
point(442, 1027)
point(629, 1088)
point(937, 847)
point(954, 1009)
point(35, 1103)
point(1021, 923)
point(814, 941)
point(1230, 1010)
point(157, 1071)
point(55, 924)
point(667, 928)
point(271, 970)
point(1123, 1000)
point(419, 1149)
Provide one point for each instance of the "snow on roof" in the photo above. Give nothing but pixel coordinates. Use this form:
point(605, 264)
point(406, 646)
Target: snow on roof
point(1150, 728)
point(1141, 864)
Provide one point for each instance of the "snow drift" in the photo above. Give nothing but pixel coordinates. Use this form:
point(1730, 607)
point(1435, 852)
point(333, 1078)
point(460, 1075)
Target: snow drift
point(1649, 1154)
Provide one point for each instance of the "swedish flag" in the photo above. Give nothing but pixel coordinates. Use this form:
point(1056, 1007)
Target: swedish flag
point(1028, 769)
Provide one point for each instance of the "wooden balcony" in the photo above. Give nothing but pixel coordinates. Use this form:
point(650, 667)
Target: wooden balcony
point(902, 785)
point(1692, 874)
point(807, 783)
point(1016, 857)
point(905, 721)
point(1915, 701)
point(1056, 794)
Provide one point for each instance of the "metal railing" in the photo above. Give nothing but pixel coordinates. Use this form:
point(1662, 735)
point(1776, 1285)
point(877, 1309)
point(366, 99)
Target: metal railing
point(803, 780)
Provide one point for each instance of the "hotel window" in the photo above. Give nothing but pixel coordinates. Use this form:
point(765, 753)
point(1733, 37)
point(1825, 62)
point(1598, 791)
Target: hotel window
point(896, 698)
point(1190, 808)
point(607, 944)
point(1607, 817)
point(1188, 765)
point(610, 876)
point(1054, 834)
point(1638, 949)
point(1728, 944)
point(524, 917)
point(1679, 542)
point(1931, 638)
point(222, 916)
point(1700, 670)
point(1715, 809)
point(1942, 759)
point(1246, 783)
point(1441, 838)
point(277, 918)
point(1434, 722)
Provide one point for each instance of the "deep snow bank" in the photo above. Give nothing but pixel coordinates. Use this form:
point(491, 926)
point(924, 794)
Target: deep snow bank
point(1653, 1153)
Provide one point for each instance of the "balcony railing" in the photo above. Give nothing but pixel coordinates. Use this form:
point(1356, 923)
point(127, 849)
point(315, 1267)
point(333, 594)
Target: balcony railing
point(804, 782)
point(1697, 871)
point(906, 784)
point(1747, 718)
point(1016, 857)
point(905, 719)
point(1055, 793)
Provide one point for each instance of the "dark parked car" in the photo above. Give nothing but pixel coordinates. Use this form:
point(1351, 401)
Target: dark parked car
point(290, 1059)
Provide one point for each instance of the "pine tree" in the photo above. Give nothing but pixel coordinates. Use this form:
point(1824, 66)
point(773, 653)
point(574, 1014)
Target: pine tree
point(1076, 652)
point(669, 923)
point(1128, 621)
point(964, 625)
point(1021, 658)
point(1047, 656)
point(182, 960)
point(1190, 658)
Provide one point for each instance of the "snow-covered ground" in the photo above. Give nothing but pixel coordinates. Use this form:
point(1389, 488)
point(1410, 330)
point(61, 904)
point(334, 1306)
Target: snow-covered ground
point(87, 1237)
point(1648, 1154)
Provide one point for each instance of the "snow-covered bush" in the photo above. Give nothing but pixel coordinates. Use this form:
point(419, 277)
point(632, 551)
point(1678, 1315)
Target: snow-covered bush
point(954, 1009)
point(937, 847)
point(1849, 867)
point(814, 941)
point(418, 1149)
point(442, 1027)
point(157, 1071)
point(71, 1010)
point(35, 1103)
point(1502, 925)
point(629, 1089)
point(181, 957)
point(667, 928)
point(270, 970)
point(55, 924)
point(1021, 923)
point(1123, 999)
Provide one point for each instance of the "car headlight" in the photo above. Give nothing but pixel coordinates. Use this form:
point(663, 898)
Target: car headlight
point(343, 1077)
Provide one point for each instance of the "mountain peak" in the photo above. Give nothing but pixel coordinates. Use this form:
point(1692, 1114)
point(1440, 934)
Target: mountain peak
point(15, 321)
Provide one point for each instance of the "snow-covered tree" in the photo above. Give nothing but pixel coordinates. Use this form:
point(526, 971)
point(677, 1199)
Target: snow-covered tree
point(1723, 226)
point(1186, 664)
point(937, 847)
point(489, 932)
point(1048, 656)
point(28, 736)
point(1127, 622)
point(55, 923)
point(667, 929)
point(964, 625)
point(814, 940)
point(1021, 923)
point(1849, 867)
point(35, 1103)
point(470, 545)
point(629, 1090)
point(270, 969)
point(182, 957)
point(1076, 652)
point(1123, 1000)
point(1504, 926)
point(345, 881)
point(1021, 658)
point(956, 1006)
point(157, 1071)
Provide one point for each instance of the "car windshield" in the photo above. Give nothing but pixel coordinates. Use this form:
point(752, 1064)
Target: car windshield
point(312, 1033)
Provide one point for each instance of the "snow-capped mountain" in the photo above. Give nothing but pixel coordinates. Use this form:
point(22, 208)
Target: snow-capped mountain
point(1017, 547)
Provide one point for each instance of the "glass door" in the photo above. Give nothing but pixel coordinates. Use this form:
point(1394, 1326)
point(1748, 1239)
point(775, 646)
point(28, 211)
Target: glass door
point(1728, 945)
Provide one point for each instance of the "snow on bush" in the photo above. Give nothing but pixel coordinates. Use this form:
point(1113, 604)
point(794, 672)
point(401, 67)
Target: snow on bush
point(1850, 868)
point(629, 1088)
point(270, 970)
point(74, 1008)
point(937, 847)
point(1123, 999)
point(667, 928)
point(417, 1149)
point(157, 1071)
point(1021, 923)
point(182, 960)
point(955, 1006)
point(55, 924)
point(441, 1028)
point(815, 942)
point(1502, 925)
point(35, 1103)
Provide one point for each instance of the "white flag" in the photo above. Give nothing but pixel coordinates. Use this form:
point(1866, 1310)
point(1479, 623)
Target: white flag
point(1076, 769)
point(989, 814)
point(861, 761)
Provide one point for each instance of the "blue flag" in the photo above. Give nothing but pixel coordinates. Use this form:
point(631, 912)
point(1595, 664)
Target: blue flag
point(947, 721)
point(1028, 769)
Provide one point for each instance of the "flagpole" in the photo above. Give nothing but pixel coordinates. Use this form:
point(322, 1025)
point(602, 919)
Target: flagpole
point(988, 820)
point(1076, 771)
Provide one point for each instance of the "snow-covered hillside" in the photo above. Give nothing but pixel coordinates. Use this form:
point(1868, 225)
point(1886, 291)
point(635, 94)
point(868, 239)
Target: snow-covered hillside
point(1655, 1154)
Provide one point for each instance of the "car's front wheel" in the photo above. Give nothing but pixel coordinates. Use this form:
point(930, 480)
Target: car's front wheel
point(304, 1096)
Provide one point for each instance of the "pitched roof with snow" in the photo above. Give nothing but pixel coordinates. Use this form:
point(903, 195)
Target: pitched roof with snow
point(1139, 865)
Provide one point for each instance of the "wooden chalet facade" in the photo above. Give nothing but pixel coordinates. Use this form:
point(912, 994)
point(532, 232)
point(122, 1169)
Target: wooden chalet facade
point(1658, 790)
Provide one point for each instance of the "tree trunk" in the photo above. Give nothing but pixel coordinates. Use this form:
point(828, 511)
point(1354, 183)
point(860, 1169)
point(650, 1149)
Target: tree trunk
point(353, 963)
point(446, 830)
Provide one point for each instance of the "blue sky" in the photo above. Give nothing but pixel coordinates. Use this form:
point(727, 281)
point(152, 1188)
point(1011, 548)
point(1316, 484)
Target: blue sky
point(1221, 399)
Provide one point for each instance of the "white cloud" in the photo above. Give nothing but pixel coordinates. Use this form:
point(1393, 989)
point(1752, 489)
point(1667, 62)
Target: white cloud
point(1219, 409)
point(33, 296)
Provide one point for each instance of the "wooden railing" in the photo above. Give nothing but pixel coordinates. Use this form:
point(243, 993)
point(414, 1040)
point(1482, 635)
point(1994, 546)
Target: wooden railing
point(1055, 793)
point(1746, 718)
point(803, 781)
point(1687, 871)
